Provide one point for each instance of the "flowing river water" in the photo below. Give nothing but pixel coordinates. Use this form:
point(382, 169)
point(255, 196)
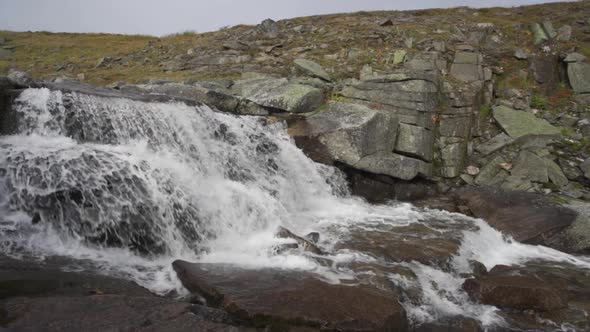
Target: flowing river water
point(125, 187)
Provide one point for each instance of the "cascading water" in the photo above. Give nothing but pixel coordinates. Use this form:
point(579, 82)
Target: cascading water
point(124, 187)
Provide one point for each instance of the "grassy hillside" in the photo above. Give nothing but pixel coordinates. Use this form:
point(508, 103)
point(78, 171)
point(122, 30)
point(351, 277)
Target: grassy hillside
point(342, 43)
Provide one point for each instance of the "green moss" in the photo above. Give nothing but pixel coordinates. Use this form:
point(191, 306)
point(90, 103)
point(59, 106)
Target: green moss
point(484, 112)
point(559, 200)
point(538, 102)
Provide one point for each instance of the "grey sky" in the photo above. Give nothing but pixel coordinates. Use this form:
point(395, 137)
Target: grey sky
point(159, 17)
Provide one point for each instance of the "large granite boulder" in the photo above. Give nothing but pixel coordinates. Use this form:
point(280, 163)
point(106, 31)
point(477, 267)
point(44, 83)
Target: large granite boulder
point(312, 69)
point(280, 94)
point(289, 298)
point(356, 136)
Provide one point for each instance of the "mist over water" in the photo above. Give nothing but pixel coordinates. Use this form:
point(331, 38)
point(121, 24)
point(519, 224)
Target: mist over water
point(124, 188)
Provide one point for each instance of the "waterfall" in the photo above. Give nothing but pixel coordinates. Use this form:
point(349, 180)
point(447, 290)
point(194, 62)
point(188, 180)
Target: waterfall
point(124, 187)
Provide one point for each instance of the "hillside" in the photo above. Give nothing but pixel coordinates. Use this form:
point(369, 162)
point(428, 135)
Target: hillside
point(342, 43)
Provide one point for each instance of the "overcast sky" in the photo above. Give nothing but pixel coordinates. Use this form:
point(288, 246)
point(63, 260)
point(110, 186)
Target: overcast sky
point(159, 17)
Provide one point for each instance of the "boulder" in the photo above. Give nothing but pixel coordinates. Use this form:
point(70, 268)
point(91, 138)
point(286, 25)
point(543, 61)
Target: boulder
point(394, 165)
point(579, 76)
point(18, 77)
point(520, 54)
point(496, 143)
point(345, 133)
point(414, 141)
point(42, 297)
point(555, 173)
point(281, 298)
point(530, 166)
point(399, 56)
point(527, 217)
point(280, 94)
point(301, 242)
point(574, 57)
point(268, 27)
point(522, 292)
point(519, 123)
point(539, 34)
point(564, 33)
point(312, 69)
point(548, 28)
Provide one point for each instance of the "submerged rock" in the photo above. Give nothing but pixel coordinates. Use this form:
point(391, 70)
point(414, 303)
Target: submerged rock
point(282, 298)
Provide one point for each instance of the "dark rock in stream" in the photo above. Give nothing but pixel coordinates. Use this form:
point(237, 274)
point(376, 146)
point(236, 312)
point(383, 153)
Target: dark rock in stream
point(41, 297)
point(8, 121)
point(277, 299)
point(528, 217)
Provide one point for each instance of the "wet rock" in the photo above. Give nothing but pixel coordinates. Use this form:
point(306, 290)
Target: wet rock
point(415, 242)
point(523, 292)
point(42, 297)
point(313, 237)
point(280, 94)
point(454, 324)
point(312, 69)
point(275, 297)
point(301, 242)
point(528, 217)
point(518, 123)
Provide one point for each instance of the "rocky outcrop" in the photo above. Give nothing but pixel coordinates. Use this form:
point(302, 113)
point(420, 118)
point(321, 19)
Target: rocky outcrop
point(357, 136)
point(279, 298)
